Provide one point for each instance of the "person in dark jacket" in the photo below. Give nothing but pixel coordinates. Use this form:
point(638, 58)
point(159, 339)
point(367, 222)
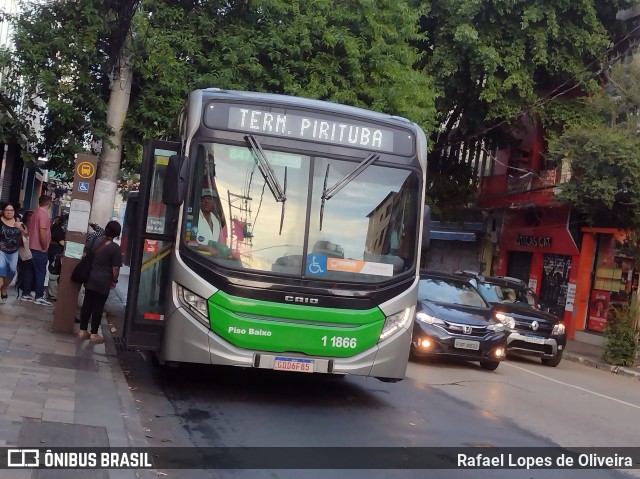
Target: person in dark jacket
point(55, 252)
point(105, 270)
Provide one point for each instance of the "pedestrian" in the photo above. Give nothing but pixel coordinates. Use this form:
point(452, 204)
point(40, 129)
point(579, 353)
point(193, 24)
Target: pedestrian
point(105, 270)
point(24, 254)
point(55, 253)
point(11, 232)
point(39, 228)
point(96, 231)
point(19, 213)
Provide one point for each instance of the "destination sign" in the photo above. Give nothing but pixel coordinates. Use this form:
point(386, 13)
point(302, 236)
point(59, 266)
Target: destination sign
point(306, 127)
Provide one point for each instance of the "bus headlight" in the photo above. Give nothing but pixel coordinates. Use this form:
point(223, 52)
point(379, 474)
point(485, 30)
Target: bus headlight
point(197, 305)
point(395, 322)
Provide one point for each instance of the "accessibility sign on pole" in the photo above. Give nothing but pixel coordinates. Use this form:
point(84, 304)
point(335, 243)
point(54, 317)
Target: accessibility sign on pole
point(84, 180)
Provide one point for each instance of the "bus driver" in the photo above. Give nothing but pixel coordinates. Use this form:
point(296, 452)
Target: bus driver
point(208, 223)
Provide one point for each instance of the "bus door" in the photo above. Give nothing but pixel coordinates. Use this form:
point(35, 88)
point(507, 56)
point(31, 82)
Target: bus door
point(151, 239)
point(130, 220)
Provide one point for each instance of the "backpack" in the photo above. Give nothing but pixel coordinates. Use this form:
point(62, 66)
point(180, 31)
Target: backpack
point(55, 264)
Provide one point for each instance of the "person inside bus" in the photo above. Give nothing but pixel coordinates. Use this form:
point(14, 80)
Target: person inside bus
point(210, 234)
point(209, 227)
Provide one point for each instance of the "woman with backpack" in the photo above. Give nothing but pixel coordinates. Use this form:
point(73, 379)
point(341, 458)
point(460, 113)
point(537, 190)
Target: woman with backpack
point(105, 269)
point(11, 231)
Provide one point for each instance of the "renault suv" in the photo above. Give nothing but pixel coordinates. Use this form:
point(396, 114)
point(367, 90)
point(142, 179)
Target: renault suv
point(532, 331)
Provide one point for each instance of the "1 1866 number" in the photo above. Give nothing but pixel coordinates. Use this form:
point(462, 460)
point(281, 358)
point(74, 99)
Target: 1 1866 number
point(340, 342)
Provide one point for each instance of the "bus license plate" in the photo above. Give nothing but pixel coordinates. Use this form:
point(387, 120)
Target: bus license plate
point(294, 364)
point(534, 339)
point(466, 344)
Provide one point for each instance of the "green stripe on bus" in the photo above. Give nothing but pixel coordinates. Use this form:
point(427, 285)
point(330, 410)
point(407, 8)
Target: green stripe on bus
point(294, 328)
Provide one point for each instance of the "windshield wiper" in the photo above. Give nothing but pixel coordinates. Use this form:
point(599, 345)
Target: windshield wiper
point(327, 194)
point(283, 202)
point(265, 168)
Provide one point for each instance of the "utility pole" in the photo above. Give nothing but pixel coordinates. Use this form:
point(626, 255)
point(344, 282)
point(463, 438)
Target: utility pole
point(111, 155)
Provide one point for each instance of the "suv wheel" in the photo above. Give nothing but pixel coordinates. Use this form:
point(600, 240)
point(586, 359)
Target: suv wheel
point(554, 361)
point(489, 365)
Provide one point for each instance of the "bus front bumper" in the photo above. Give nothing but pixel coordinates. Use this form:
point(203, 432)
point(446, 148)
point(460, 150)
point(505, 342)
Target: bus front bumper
point(188, 340)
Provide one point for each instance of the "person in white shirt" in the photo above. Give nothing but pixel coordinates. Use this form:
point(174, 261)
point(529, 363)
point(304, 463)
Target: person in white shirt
point(208, 223)
point(209, 227)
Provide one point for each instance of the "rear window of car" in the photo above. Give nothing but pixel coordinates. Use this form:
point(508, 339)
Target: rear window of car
point(449, 292)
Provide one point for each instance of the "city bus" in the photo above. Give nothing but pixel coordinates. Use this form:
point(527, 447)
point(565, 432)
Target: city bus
point(279, 233)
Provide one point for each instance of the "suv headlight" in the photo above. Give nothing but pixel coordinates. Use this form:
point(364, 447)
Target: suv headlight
point(507, 320)
point(558, 329)
point(428, 319)
point(197, 305)
point(395, 322)
point(496, 327)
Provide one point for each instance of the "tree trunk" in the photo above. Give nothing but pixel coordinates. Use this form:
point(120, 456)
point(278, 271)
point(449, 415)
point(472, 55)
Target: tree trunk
point(109, 165)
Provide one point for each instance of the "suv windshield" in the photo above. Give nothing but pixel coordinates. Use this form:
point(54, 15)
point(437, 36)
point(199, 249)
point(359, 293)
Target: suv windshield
point(449, 292)
point(502, 293)
point(367, 233)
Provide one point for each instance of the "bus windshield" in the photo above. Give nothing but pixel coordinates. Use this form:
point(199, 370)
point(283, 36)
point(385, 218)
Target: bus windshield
point(364, 233)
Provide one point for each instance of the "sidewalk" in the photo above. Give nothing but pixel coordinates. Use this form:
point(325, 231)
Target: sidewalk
point(57, 390)
point(586, 349)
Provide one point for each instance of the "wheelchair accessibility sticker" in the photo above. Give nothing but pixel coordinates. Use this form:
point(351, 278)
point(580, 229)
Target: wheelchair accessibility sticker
point(83, 186)
point(316, 264)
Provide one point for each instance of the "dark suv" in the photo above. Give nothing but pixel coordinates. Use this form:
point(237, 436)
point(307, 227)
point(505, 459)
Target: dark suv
point(533, 331)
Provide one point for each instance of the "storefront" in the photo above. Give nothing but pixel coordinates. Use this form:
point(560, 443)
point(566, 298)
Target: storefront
point(612, 283)
point(536, 245)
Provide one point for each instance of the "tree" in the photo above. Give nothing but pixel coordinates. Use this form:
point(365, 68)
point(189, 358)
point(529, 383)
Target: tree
point(493, 60)
point(357, 53)
point(603, 149)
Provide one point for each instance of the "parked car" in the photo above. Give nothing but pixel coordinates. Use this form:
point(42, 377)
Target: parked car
point(452, 319)
point(532, 330)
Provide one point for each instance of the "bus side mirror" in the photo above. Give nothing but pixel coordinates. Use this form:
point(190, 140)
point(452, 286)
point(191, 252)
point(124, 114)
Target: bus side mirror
point(175, 180)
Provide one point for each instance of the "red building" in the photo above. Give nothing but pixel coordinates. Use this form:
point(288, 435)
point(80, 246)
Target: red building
point(575, 270)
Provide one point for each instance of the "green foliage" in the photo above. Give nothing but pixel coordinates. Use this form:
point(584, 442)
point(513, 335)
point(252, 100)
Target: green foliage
point(353, 52)
point(630, 248)
point(620, 336)
point(604, 151)
point(491, 60)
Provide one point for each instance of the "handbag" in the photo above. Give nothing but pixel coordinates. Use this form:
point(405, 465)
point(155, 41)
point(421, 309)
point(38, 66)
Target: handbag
point(23, 251)
point(82, 271)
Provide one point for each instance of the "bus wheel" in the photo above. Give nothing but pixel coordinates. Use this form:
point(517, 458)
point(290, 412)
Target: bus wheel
point(389, 380)
point(167, 366)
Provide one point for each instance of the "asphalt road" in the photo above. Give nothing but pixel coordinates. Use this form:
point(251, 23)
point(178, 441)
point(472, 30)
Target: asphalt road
point(442, 404)
point(571, 405)
point(521, 404)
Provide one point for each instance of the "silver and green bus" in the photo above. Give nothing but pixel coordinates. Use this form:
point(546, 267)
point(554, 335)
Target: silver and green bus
point(279, 233)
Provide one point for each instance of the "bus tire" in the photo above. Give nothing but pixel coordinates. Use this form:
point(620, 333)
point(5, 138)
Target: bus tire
point(389, 380)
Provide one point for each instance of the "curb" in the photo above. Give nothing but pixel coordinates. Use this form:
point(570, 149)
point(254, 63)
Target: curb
point(130, 417)
point(599, 364)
